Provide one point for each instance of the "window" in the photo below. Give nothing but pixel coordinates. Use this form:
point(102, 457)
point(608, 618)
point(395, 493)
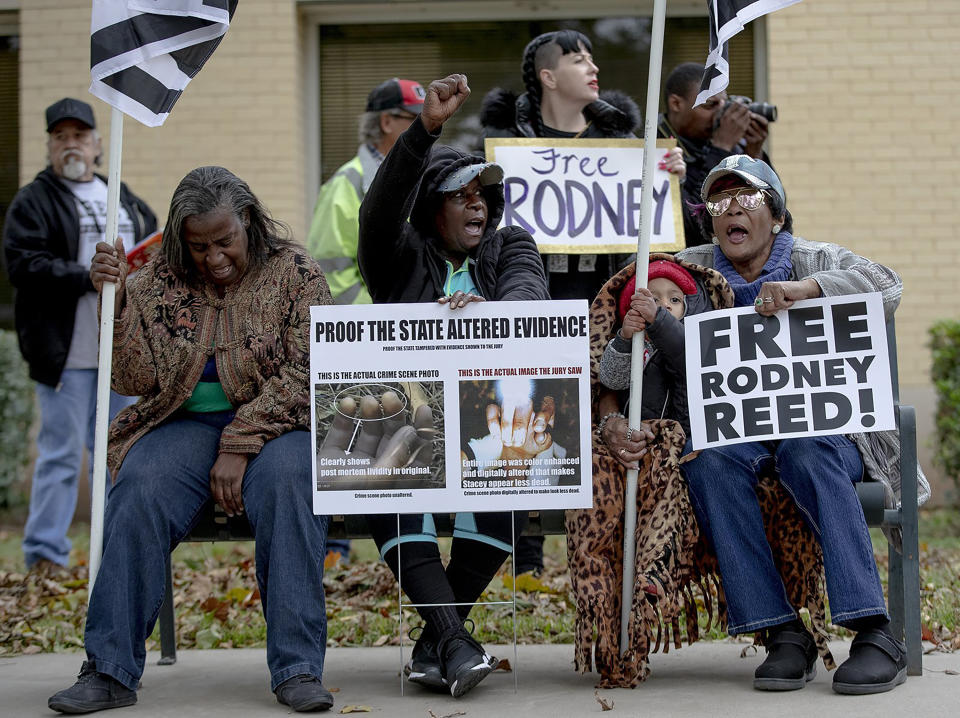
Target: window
point(356, 58)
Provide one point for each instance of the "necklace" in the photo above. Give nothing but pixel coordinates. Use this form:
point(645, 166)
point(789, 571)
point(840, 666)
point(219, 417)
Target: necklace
point(585, 128)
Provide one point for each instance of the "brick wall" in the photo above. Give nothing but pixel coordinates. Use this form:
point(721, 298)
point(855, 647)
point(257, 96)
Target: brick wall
point(866, 144)
point(243, 111)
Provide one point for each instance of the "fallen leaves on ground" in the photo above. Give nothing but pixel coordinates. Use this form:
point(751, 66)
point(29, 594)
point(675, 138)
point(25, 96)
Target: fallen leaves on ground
point(218, 603)
point(528, 583)
point(356, 709)
point(605, 705)
point(41, 612)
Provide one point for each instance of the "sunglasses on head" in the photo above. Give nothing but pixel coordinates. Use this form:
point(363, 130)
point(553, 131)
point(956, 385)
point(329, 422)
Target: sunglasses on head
point(747, 197)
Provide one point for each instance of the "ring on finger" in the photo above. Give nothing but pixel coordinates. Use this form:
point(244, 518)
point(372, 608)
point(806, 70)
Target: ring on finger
point(629, 434)
point(768, 299)
point(623, 452)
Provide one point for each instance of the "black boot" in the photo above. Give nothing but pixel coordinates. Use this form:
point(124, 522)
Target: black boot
point(305, 694)
point(877, 663)
point(791, 659)
point(93, 691)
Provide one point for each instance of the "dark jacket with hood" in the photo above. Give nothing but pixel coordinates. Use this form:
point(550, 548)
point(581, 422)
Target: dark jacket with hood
point(504, 114)
point(401, 259)
point(41, 238)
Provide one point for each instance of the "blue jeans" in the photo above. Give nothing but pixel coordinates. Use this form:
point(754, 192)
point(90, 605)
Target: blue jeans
point(160, 490)
point(67, 423)
point(819, 473)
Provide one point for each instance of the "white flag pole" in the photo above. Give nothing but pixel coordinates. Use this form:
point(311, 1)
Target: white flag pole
point(107, 303)
point(643, 260)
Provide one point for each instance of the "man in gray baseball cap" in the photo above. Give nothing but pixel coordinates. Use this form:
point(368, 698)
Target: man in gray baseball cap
point(70, 109)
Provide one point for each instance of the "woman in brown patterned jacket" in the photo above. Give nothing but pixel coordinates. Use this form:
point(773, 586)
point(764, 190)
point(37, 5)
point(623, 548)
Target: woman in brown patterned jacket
point(213, 335)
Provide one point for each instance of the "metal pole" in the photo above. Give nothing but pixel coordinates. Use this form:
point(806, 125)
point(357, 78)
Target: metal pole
point(107, 304)
point(643, 258)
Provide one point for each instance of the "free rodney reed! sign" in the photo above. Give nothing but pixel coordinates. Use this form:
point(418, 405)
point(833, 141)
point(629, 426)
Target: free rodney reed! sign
point(583, 195)
point(818, 368)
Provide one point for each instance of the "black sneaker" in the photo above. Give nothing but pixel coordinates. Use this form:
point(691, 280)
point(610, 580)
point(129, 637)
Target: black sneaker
point(92, 692)
point(423, 668)
point(464, 662)
point(304, 693)
point(877, 663)
point(791, 660)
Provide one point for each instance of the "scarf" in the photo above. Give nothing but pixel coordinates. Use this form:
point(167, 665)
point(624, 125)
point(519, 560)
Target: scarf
point(676, 579)
point(777, 269)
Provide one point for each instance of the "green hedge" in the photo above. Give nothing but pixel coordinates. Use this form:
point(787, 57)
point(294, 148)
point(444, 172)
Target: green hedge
point(16, 419)
point(945, 343)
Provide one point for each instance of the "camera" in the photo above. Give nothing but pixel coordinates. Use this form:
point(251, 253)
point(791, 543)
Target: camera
point(760, 108)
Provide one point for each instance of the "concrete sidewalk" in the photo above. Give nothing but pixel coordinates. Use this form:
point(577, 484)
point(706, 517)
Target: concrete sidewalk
point(704, 679)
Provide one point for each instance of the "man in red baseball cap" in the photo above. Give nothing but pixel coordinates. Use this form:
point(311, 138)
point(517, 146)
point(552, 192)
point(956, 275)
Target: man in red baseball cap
point(391, 107)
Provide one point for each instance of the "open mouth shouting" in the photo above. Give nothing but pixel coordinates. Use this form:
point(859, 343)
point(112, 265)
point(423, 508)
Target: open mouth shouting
point(474, 226)
point(737, 232)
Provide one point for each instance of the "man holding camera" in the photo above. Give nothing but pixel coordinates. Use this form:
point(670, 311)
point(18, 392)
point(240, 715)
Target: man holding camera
point(718, 128)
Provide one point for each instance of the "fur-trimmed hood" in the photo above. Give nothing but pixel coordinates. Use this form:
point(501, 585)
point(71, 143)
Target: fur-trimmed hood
point(504, 113)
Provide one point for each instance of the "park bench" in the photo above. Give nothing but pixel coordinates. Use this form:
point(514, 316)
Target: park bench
point(903, 570)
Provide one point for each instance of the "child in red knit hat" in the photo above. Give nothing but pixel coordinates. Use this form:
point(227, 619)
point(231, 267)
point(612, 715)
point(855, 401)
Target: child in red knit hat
point(658, 309)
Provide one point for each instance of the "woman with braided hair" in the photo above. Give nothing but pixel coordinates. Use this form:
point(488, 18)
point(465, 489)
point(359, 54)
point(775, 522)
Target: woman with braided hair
point(563, 100)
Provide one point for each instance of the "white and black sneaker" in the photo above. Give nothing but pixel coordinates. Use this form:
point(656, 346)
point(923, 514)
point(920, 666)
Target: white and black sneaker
point(423, 668)
point(464, 662)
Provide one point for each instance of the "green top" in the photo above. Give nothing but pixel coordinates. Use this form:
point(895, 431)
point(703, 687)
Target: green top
point(459, 280)
point(207, 397)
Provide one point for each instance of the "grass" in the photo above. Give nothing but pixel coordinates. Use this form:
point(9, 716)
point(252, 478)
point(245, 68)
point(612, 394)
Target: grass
point(939, 572)
point(218, 603)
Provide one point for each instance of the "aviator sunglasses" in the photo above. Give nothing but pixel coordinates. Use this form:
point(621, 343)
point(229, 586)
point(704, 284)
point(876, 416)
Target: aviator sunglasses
point(747, 197)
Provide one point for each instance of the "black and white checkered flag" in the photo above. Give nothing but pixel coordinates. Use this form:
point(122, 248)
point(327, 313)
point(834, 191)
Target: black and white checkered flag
point(727, 18)
point(144, 52)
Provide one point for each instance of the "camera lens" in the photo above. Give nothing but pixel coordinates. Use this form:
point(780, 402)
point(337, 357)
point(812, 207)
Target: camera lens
point(764, 108)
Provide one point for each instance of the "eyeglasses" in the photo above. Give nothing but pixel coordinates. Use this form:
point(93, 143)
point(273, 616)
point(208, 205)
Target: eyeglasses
point(747, 197)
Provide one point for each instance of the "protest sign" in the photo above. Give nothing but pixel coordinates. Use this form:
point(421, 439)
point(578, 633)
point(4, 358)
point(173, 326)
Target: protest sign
point(818, 368)
point(417, 408)
point(583, 195)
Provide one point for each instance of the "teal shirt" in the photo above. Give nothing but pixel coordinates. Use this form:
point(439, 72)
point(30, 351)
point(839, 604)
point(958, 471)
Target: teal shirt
point(459, 280)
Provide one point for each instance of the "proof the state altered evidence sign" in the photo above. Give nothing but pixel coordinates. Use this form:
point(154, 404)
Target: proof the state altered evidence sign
point(818, 368)
point(420, 408)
